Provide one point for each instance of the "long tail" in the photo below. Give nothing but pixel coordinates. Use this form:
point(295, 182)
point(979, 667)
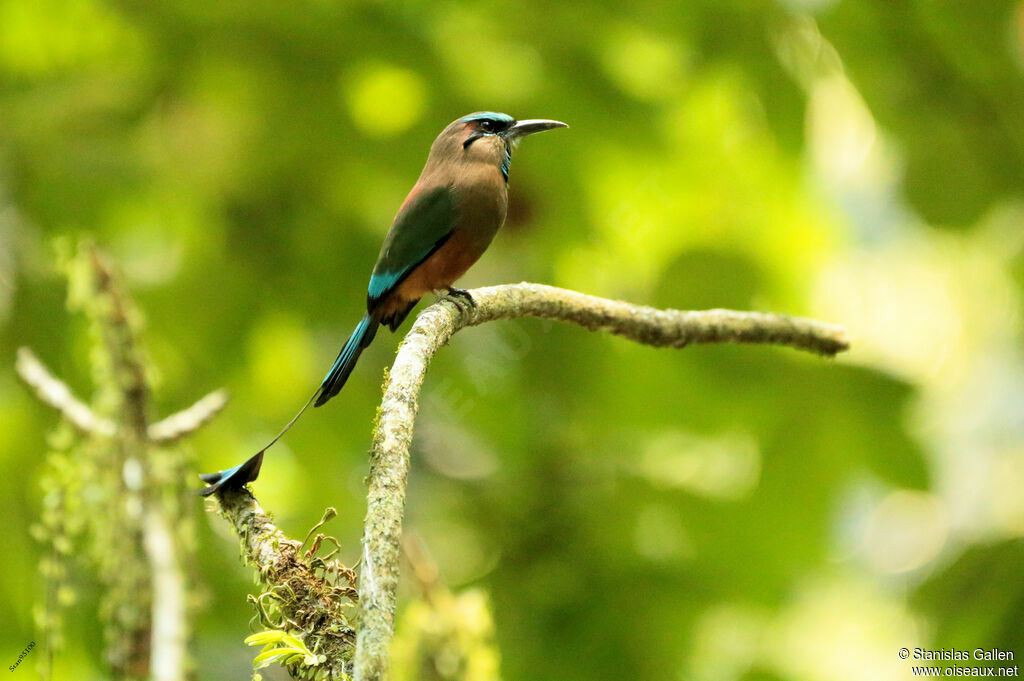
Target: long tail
point(354, 346)
point(332, 384)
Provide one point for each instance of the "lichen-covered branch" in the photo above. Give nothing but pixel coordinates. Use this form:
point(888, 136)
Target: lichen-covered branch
point(648, 325)
point(389, 465)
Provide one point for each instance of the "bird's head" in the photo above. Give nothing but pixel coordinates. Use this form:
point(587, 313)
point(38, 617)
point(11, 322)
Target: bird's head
point(488, 137)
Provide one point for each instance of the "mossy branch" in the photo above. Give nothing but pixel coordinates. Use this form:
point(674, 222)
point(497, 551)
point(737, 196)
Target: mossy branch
point(305, 594)
point(389, 463)
point(135, 488)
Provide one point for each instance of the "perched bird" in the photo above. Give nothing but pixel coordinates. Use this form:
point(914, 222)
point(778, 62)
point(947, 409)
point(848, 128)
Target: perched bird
point(444, 225)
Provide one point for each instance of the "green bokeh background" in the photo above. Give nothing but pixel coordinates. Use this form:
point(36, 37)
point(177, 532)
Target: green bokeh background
point(712, 514)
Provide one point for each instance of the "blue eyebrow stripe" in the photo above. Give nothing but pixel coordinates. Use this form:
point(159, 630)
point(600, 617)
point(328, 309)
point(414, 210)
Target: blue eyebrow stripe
point(505, 118)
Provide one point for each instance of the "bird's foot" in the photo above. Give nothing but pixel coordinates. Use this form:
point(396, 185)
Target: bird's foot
point(460, 297)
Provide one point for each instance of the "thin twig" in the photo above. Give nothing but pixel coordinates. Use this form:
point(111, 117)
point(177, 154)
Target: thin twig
point(389, 465)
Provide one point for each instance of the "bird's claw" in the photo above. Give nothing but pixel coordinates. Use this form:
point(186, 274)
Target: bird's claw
point(460, 297)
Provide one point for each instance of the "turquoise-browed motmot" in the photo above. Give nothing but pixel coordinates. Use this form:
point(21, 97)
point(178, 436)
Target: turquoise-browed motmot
point(444, 225)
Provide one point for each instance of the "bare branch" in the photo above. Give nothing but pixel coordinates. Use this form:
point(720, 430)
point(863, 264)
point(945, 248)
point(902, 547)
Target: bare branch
point(389, 465)
point(52, 391)
point(187, 421)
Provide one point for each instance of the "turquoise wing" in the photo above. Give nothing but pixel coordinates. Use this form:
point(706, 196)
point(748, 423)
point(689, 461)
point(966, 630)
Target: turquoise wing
point(424, 223)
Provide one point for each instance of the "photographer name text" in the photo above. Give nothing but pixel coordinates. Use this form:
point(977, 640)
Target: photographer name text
point(991, 654)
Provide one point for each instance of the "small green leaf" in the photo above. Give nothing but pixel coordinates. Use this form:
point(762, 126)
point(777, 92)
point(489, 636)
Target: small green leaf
point(264, 637)
point(282, 655)
point(294, 641)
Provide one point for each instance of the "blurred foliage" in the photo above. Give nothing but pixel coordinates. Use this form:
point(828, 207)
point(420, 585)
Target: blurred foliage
point(945, 78)
point(446, 636)
point(714, 513)
point(443, 636)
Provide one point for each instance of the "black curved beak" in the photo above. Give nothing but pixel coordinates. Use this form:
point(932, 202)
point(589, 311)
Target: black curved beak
point(532, 125)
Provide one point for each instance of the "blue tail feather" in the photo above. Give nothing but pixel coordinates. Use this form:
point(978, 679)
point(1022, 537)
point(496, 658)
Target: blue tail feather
point(346, 361)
